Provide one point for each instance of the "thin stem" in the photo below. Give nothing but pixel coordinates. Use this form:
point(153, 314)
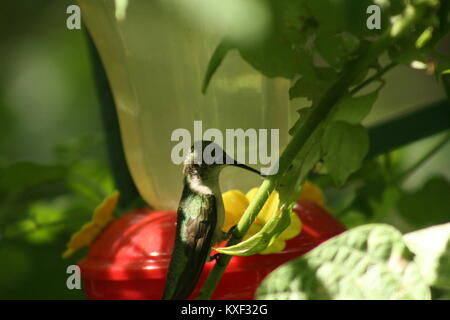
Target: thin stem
point(369, 80)
point(441, 143)
point(330, 98)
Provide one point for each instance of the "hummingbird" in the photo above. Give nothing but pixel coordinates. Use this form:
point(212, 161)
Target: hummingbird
point(200, 218)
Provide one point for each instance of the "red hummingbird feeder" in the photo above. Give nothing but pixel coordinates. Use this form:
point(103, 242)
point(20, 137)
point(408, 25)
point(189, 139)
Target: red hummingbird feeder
point(131, 257)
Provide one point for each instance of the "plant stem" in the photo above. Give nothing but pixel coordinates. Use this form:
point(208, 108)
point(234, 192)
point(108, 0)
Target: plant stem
point(376, 76)
point(330, 98)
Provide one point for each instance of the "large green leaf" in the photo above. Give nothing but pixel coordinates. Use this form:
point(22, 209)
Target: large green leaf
point(354, 109)
point(432, 249)
point(368, 262)
point(276, 54)
point(273, 57)
point(345, 146)
point(216, 60)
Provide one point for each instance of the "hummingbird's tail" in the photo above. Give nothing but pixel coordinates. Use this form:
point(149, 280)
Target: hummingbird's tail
point(185, 271)
point(195, 232)
point(187, 281)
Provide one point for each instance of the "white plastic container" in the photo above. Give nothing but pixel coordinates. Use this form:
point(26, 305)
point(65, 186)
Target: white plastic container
point(155, 57)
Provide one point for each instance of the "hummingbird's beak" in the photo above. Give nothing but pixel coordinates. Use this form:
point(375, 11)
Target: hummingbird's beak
point(243, 166)
point(230, 161)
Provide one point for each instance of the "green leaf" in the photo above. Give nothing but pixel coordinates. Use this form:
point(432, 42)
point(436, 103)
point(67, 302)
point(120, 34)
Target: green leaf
point(303, 114)
point(277, 55)
point(355, 109)
point(313, 84)
point(368, 262)
point(432, 249)
point(277, 223)
point(215, 62)
point(345, 146)
point(427, 206)
point(273, 57)
point(291, 183)
point(336, 49)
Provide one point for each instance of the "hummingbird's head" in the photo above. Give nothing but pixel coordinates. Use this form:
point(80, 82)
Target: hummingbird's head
point(207, 158)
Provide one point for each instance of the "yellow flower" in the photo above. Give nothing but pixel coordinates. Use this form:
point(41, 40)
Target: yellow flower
point(100, 219)
point(312, 193)
point(235, 203)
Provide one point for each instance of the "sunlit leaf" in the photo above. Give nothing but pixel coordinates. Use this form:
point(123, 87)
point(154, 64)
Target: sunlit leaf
point(368, 262)
point(432, 249)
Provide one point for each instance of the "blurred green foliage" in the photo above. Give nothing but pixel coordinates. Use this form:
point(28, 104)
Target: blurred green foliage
point(53, 166)
point(403, 188)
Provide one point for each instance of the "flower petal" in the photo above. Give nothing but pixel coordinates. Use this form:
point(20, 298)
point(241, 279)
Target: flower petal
point(235, 204)
point(251, 193)
point(269, 208)
point(277, 246)
point(293, 229)
point(254, 228)
point(312, 193)
point(88, 232)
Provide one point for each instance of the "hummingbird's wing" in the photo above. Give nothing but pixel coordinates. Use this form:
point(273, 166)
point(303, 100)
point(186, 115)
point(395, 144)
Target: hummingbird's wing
point(197, 219)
